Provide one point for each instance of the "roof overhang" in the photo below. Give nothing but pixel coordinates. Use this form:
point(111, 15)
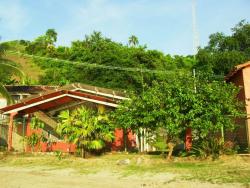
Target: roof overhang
point(236, 69)
point(56, 98)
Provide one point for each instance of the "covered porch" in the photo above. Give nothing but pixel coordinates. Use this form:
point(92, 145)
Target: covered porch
point(47, 105)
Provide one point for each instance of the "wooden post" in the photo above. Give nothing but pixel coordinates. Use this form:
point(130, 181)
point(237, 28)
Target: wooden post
point(28, 129)
point(23, 134)
point(188, 141)
point(222, 133)
point(10, 131)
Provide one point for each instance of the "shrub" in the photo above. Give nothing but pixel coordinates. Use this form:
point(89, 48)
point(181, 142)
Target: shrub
point(213, 147)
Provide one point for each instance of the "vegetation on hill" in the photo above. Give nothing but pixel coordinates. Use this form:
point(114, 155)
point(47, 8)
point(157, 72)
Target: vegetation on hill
point(224, 52)
point(100, 61)
point(7, 69)
point(168, 97)
point(103, 62)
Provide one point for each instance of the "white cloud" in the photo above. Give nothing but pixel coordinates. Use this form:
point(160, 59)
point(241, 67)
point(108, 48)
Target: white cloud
point(13, 17)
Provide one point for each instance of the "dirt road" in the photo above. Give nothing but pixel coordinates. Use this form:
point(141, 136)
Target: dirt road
point(47, 177)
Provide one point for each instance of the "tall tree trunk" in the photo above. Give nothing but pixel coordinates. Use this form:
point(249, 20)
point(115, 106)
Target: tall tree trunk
point(171, 146)
point(83, 152)
point(139, 139)
point(143, 141)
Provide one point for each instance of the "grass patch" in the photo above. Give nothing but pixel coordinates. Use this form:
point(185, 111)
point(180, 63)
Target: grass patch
point(232, 169)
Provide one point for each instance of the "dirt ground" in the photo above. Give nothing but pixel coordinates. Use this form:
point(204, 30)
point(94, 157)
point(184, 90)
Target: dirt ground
point(42, 177)
point(104, 172)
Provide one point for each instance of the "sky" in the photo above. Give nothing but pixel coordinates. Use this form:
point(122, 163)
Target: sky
point(165, 25)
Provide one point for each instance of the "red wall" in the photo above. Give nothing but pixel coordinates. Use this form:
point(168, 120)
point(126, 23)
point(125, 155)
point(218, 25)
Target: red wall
point(116, 145)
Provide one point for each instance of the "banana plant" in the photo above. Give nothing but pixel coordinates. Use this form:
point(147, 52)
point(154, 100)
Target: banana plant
point(85, 128)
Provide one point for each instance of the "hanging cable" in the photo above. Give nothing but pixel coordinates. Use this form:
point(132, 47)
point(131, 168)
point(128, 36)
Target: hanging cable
point(94, 65)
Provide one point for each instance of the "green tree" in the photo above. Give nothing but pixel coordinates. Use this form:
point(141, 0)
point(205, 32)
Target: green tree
point(95, 49)
point(44, 44)
point(133, 40)
point(51, 36)
point(85, 128)
point(174, 106)
point(33, 140)
point(224, 52)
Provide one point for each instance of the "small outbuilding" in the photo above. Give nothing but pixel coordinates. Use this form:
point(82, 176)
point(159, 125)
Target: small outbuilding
point(240, 76)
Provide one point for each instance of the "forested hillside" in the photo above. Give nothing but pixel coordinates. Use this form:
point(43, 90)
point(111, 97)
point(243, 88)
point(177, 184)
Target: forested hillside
point(103, 62)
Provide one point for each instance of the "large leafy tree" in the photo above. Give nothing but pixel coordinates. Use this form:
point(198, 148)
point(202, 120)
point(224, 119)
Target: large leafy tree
point(85, 128)
point(99, 57)
point(44, 44)
point(175, 106)
point(51, 36)
point(224, 52)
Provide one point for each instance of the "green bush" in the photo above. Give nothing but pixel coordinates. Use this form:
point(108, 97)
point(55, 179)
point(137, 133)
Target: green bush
point(213, 147)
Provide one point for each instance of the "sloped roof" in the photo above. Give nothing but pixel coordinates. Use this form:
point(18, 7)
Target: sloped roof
point(236, 69)
point(82, 88)
point(67, 94)
point(92, 89)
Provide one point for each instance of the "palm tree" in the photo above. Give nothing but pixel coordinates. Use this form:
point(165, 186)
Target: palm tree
point(11, 69)
point(86, 128)
point(133, 40)
point(51, 36)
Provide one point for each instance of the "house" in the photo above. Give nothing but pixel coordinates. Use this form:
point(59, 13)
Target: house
point(46, 102)
point(240, 76)
point(17, 93)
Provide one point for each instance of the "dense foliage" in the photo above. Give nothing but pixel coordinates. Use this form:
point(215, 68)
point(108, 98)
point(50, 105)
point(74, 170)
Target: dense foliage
point(85, 128)
point(7, 70)
point(166, 99)
point(175, 106)
point(224, 52)
point(101, 61)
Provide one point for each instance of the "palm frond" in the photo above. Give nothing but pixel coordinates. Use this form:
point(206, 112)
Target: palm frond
point(4, 93)
point(12, 69)
point(96, 144)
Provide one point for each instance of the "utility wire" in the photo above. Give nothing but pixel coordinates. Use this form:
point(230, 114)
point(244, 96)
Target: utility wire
point(94, 65)
point(128, 69)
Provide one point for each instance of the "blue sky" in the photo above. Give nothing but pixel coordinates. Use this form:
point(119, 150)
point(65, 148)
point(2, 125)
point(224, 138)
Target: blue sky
point(164, 25)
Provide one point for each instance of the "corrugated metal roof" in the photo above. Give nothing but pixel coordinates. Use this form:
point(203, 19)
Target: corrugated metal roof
point(99, 91)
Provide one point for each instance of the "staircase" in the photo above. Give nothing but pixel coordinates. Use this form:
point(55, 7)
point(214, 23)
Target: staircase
point(46, 119)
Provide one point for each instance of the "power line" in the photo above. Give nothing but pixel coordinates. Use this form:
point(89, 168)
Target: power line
point(94, 65)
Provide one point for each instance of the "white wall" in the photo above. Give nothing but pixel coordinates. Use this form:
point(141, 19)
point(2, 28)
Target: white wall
point(3, 102)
